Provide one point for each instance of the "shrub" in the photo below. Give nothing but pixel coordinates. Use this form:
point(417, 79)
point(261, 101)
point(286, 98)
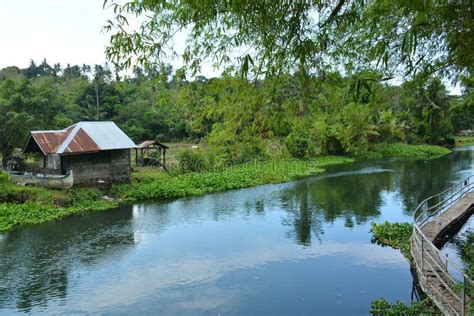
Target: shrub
point(297, 143)
point(193, 160)
point(4, 181)
point(83, 195)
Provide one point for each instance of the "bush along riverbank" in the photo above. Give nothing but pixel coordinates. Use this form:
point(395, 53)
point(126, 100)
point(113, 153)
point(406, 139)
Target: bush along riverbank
point(397, 236)
point(20, 206)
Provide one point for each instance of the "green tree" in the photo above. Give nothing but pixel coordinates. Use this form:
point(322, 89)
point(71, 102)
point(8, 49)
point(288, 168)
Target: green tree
point(14, 121)
point(434, 103)
point(274, 37)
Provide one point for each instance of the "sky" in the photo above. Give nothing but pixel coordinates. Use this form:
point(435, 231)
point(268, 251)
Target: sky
point(63, 31)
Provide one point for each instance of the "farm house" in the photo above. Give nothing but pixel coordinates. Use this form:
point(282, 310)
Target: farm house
point(96, 152)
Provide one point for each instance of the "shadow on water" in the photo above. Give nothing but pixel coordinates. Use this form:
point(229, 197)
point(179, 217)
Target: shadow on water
point(43, 265)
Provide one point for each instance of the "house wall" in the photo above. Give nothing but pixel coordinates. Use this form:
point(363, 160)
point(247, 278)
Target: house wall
point(111, 166)
point(50, 164)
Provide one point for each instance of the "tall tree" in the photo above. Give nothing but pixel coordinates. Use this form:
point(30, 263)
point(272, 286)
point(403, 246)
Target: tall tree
point(14, 120)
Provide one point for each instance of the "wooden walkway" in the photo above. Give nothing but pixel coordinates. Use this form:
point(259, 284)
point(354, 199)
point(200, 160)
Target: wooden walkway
point(441, 217)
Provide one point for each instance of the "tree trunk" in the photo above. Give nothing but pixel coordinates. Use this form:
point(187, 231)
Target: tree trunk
point(97, 100)
point(6, 154)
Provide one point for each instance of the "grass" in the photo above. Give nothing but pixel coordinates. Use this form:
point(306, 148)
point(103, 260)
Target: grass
point(464, 141)
point(21, 206)
point(175, 148)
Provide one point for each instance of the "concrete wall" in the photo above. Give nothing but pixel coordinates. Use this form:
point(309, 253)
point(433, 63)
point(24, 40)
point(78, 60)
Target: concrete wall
point(112, 166)
point(50, 164)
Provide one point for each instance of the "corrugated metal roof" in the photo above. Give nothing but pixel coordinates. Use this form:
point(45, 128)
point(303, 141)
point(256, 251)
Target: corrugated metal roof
point(83, 137)
point(146, 144)
point(49, 141)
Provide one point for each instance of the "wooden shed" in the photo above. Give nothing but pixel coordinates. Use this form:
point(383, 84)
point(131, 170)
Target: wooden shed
point(151, 153)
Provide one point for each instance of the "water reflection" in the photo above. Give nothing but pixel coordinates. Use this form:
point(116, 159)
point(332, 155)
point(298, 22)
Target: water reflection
point(234, 252)
point(419, 179)
point(36, 264)
point(455, 247)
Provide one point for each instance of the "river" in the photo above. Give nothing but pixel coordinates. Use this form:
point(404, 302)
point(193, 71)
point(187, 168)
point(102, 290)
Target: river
point(301, 247)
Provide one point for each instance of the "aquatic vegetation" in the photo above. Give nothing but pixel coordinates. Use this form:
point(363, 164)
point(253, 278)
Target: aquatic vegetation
point(25, 205)
point(29, 205)
point(241, 176)
point(379, 151)
point(15, 215)
point(383, 307)
point(395, 235)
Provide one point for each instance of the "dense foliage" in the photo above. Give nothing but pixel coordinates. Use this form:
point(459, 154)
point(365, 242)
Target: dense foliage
point(308, 37)
point(240, 120)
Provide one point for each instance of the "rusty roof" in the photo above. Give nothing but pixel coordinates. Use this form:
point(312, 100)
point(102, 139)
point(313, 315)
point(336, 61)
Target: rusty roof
point(83, 137)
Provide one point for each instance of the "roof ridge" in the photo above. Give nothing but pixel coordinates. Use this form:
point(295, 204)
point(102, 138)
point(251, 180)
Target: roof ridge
point(68, 139)
point(49, 131)
point(95, 122)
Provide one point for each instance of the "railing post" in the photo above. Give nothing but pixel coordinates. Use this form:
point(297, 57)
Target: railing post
point(422, 250)
point(463, 306)
point(446, 265)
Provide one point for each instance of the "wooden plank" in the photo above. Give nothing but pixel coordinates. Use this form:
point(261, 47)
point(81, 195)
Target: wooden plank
point(433, 229)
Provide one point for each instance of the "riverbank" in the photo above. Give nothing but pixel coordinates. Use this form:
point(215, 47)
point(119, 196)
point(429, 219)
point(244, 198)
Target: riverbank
point(21, 206)
point(464, 140)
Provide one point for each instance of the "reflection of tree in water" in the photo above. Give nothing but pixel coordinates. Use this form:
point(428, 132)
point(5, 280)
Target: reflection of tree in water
point(354, 198)
point(462, 241)
point(40, 273)
point(301, 215)
point(419, 179)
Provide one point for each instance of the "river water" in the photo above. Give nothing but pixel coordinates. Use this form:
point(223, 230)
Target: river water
point(301, 247)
